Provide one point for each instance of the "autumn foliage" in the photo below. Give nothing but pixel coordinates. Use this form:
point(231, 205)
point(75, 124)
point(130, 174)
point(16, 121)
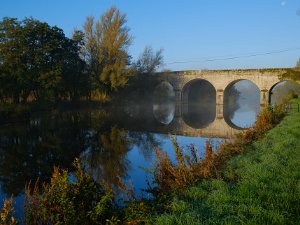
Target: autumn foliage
point(188, 168)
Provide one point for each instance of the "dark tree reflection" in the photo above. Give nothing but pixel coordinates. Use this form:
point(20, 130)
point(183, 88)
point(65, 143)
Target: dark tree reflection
point(146, 143)
point(105, 157)
point(30, 150)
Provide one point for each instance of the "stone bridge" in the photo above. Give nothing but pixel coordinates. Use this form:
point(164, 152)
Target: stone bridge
point(264, 79)
point(220, 80)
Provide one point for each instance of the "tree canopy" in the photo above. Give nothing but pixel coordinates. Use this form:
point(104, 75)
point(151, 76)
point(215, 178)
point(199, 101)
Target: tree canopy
point(148, 61)
point(37, 60)
point(106, 49)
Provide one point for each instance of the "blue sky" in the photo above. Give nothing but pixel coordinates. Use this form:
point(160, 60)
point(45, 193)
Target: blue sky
point(191, 31)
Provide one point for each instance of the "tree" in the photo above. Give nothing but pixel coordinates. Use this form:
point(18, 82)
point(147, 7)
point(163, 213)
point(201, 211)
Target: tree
point(106, 50)
point(74, 77)
point(148, 61)
point(10, 57)
point(37, 60)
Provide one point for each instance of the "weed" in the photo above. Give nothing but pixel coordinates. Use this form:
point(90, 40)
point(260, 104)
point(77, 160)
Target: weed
point(67, 200)
point(7, 213)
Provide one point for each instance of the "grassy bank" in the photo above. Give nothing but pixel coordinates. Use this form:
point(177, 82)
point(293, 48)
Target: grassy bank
point(259, 187)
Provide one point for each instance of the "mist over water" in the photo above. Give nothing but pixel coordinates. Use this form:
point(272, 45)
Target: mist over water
point(116, 141)
point(241, 103)
point(199, 104)
point(164, 103)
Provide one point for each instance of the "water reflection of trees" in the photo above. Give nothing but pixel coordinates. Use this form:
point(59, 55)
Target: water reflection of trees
point(145, 142)
point(106, 155)
point(30, 150)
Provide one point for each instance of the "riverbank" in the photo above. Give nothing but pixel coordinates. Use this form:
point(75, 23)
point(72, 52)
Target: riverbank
point(259, 187)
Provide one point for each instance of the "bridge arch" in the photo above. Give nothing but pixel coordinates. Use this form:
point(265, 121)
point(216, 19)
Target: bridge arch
point(164, 89)
point(271, 90)
point(282, 89)
point(198, 103)
point(231, 83)
point(164, 102)
point(192, 83)
point(241, 103)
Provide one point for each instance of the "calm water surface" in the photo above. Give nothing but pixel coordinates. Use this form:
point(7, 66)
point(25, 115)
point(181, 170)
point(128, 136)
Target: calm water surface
point(109, 142)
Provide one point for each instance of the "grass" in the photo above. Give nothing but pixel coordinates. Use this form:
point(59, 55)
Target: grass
point(259, 187)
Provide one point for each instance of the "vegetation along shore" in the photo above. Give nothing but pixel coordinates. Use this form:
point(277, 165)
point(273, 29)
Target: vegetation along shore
point(254, 180)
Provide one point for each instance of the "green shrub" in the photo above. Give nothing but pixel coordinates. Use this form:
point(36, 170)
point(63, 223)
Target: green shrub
point(68, 200)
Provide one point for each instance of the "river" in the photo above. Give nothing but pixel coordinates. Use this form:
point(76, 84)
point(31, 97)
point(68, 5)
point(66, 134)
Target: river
point(111, 141)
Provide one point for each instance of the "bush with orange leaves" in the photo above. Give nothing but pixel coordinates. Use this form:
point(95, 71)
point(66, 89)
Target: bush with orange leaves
point(188, 168)
point(265, 120)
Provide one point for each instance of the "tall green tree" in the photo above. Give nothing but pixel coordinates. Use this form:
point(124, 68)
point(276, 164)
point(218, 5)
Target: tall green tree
point(106, 50)
point(11, 68)
point(74, 77)
point(38, 60)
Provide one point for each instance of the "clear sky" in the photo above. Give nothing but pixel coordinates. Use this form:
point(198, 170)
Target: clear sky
point(202, 34)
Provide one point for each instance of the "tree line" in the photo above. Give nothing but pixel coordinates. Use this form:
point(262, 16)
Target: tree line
point(38, 62)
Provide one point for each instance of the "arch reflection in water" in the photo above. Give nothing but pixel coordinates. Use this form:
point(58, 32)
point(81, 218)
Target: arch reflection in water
point(164, 103)
point(199, 103)
point(241, 103)
point(282, 90)
point(164, 112)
